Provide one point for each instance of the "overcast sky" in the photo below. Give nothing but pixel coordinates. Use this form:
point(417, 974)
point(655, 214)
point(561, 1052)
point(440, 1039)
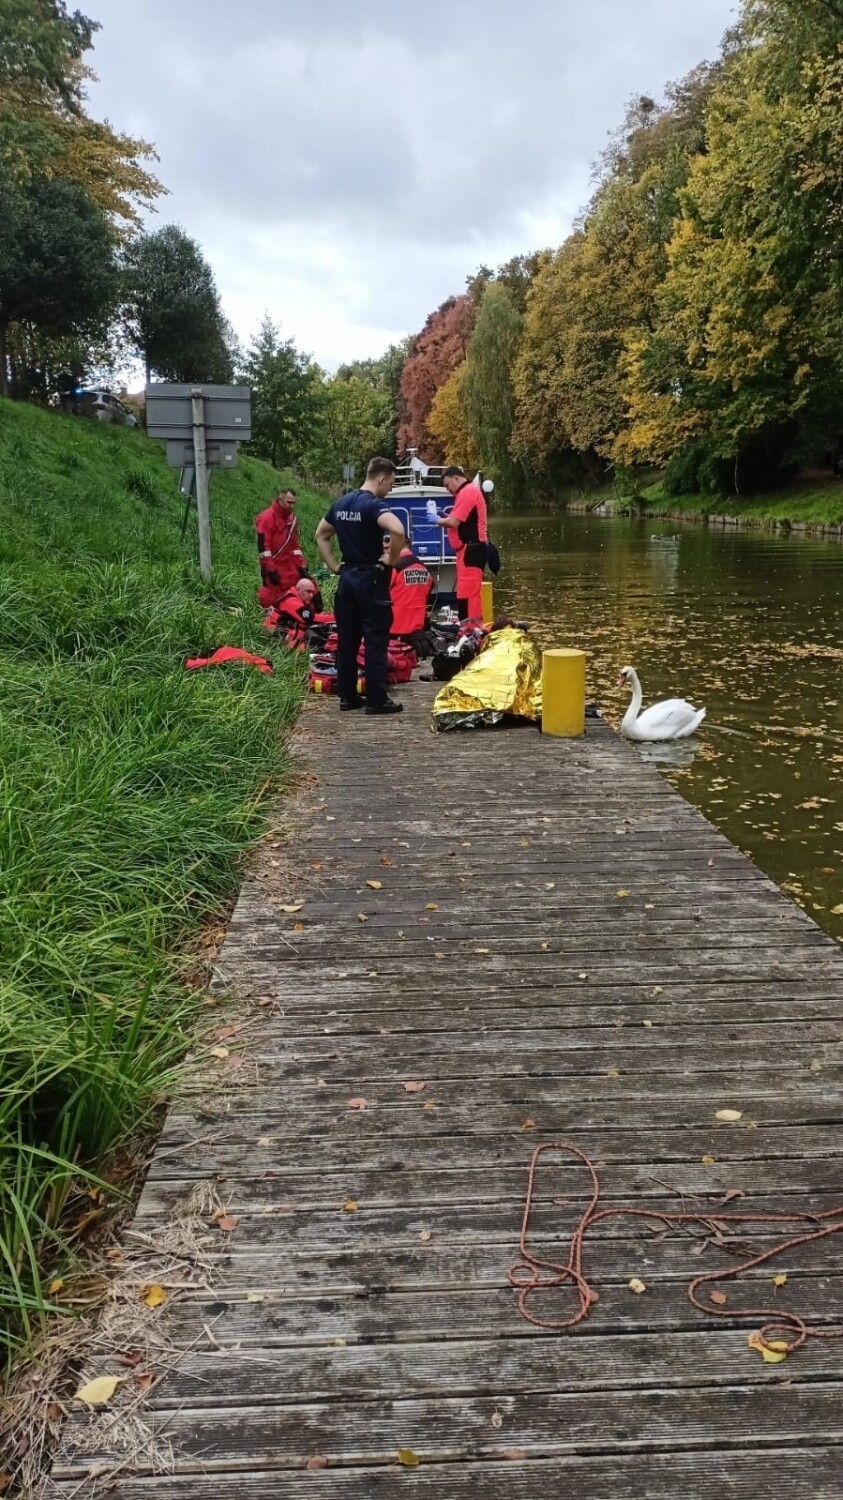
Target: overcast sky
point(346, 164)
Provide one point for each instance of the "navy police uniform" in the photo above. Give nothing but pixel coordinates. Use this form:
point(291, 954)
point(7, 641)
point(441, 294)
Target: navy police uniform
point(362, 606)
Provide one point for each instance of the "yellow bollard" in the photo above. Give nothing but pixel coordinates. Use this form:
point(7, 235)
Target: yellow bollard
point(563, 693)
point(488, 592)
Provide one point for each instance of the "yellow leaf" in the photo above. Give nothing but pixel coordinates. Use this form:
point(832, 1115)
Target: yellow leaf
point(637, 1286)
point(773, 1353)
point(432, 906)
point(729, 1116)
point(349, 1206)
point(55, 1286)
point(613, 1073)
point(290, 910)
point(708, 1161)
point(154, 1296)
point(648, 1024)
point(375, 885)
point(219, 1052)
point(98, 1391)
point(255, 1296)
point(621, 894)
point(408, 1458)
point(779, 1280)
point(837, 911)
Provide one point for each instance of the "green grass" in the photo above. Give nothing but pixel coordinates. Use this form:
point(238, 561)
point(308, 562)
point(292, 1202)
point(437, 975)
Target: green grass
point(809, 503)
point(130, 789)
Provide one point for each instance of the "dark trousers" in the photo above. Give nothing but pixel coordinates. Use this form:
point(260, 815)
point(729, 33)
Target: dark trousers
point(363, 612)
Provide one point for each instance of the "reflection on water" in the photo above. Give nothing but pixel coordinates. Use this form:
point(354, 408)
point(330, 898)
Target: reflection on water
point(670, 752)
point(749, 626)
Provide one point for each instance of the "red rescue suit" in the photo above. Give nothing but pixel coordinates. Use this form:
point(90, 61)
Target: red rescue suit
point(469, 509)
point(292, 615)
point(410, 589)
point(282, 562)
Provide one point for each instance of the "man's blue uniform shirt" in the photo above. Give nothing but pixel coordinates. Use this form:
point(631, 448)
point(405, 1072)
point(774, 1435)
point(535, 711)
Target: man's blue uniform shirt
point(354, 518)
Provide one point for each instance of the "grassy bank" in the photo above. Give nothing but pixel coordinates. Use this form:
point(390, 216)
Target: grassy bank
point(810, 505)
point(130, 789)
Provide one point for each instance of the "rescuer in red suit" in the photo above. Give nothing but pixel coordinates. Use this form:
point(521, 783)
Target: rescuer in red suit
point(468, 534)
point(282, 562)
point(410, 588)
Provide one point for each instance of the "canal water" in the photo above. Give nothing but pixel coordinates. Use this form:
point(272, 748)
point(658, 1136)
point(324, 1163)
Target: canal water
point(749, 625)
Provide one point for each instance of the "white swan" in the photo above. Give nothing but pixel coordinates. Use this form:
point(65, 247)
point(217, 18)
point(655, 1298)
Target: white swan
point(674, 719)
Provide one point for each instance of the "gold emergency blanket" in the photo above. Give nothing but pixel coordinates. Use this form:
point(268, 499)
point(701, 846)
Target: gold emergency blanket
point(504, 678)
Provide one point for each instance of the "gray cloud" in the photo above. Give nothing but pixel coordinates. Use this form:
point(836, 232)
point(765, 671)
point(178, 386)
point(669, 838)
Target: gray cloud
point(347, 163)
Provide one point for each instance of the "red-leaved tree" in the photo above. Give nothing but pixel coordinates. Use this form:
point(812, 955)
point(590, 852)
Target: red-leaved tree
point(437, 351)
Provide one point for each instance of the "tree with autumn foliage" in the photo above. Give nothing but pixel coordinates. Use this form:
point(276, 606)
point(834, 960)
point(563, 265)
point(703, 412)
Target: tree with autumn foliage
point(740, 376)
point(448, 421)
point(437, 350)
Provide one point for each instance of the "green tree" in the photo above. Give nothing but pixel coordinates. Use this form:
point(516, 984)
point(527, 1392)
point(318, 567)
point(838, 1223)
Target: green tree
point(57, 263)
point(384, 376)
point(285, 397)
point(487, 392)
point(355, 422)
point(171, 309)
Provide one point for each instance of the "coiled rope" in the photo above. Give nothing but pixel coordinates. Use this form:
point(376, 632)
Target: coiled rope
point(532, 1273)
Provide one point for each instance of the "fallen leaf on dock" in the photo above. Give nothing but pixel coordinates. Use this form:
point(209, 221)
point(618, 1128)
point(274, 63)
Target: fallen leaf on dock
point(317, 1462)
point(290, 911)
point(408, 1458)
point(497, 1420)
point(729, 1116)
point(732, 1194)
point(425, 1236)
point(637, 1286)
point(361, 917)
point(414, 1088)
point(718, 1298)
point(529, 1125)
point(255, 1296)
point(226, 1223)
point(97, 1392)
point(708, 1161)
point(349, 1206)
point(772, 1353)
point(622, 894)
point(154, 1296)
point(375, 885)
point(432, 906)
point(358, 1103)
point(219, 1052)
point(514, 1453)
point(779, 1280)
point(613, 1073)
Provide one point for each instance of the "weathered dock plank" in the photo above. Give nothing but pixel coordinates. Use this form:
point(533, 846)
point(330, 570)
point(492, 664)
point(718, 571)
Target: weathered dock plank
point(548, 944)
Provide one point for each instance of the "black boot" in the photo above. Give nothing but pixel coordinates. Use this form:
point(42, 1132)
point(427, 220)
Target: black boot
point(389, 707)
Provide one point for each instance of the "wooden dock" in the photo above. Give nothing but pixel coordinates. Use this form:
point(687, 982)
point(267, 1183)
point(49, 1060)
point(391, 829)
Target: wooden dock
point(559, 948)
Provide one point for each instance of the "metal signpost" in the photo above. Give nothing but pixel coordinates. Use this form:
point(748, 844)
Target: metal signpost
point(202, 425)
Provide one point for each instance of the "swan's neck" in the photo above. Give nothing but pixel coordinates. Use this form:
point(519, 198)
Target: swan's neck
point(635, 706)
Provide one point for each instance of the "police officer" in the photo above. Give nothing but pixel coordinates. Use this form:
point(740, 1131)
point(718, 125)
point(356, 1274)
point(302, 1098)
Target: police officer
point(363, 610)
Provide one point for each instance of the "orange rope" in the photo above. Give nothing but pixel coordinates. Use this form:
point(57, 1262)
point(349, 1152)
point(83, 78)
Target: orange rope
point(533, 1274)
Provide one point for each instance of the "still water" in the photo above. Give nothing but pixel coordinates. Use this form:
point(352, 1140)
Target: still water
point(749, 626)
